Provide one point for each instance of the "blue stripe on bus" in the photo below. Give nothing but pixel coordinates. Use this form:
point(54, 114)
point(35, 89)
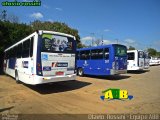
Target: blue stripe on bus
point(12, 62)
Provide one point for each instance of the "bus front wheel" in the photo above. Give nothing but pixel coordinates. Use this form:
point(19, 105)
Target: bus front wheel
point(16, 77)
point(80, 72)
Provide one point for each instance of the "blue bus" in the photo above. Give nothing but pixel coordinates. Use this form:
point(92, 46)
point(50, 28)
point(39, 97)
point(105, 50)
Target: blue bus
point(102, 60)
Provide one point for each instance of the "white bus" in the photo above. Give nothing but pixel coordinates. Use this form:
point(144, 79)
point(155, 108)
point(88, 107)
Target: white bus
point(135, 60)
point(42, 57)
point(146, 60)
point(154, 61)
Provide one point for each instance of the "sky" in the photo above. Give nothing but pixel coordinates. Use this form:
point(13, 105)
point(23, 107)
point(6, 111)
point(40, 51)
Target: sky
point(130, 22)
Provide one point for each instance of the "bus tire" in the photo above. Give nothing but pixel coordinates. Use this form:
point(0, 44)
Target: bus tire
point(16, 77)
point(80, 72)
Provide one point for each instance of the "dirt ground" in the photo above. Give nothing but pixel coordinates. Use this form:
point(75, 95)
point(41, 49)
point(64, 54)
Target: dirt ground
point(82, 96)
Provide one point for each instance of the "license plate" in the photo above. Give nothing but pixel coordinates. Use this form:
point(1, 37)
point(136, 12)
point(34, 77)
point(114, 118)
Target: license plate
point(59, 73)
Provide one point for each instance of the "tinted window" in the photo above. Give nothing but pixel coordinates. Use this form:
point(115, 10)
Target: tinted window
point(25, 50)
point(19, 50)
point(31, 46)
point(97, 54)
point(106, 53)
point(131, 56)
point(84, 55)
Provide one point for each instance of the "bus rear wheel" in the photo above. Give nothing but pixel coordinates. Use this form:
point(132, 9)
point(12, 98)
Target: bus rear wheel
point(16, 77)
point(80, 72)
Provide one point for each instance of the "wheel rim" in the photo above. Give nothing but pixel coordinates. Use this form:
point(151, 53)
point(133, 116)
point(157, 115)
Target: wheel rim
point(80, 72)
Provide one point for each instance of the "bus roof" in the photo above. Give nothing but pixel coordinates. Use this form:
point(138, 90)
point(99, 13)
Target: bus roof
point(102, 46)
point(41, 32)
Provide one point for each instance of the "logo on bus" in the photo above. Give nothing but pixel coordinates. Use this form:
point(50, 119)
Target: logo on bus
point(46, 68)
point(25, 64)
point(44, 57)
point(112, 93)
point(59, 64)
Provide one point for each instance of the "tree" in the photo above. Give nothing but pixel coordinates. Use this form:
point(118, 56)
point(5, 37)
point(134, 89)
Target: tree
point(152, 51)
point(80, 45)
point(97, 42)
point(55, 26)
point(131, 48)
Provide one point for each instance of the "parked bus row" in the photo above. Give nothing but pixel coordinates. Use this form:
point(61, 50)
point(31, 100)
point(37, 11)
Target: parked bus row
point(47, 56)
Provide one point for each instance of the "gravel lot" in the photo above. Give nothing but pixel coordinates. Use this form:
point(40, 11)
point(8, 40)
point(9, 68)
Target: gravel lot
point(82, 96)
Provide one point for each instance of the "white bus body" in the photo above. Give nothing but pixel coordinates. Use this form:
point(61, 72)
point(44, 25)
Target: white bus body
point(42, 57)
point(135, 60)
point(154, 61)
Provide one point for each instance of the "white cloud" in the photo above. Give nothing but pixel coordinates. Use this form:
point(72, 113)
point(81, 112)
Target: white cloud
point(50, 20)
point(130, 41)
point(37, 15)
point(107, 30)
point(88, 41)
point(87, 38)
point(59, 9)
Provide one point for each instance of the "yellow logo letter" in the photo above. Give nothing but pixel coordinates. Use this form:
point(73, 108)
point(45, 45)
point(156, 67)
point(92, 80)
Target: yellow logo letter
point(123, 94)
point(108, 95)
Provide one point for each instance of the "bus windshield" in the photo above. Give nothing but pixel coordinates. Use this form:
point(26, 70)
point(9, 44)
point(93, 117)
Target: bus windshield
point(120, 50)
point(57, 43)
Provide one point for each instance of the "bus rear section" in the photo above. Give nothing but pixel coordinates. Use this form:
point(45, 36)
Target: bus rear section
point(102, 60)
point(42, 57)
point(55, 58)
point(135, 60)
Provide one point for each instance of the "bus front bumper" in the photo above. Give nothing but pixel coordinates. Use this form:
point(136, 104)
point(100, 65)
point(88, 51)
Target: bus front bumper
point(115, 72)
point(49, 79)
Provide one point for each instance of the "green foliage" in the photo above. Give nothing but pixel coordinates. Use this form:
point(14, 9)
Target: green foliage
point(80, 45)
point(152, 52)
point(131, 48)
point(158, 54)
point(11, 33)
point(55, 26)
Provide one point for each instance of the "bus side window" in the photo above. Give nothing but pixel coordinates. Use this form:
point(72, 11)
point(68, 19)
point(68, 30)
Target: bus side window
point(130, 56)
point(31, 46)
point(84, 55)
point(97, 54)
point(87, 53)
point(106, 53)
point(19, 50)
point(25, 50)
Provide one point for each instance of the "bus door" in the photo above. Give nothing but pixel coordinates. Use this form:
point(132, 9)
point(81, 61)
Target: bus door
point(131, 59)
point(140, 59)
point(85, 61)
